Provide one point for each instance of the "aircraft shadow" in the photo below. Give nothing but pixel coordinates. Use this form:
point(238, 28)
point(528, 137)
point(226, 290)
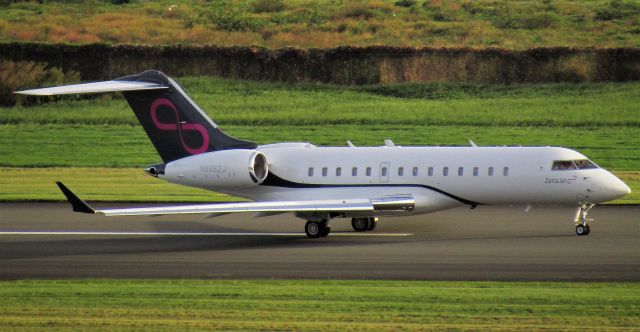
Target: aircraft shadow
point(166, 244)
point(492, 238)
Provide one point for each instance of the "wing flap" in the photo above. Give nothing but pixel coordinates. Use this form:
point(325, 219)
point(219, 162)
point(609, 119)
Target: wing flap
point(282, 206)
point(97, 87)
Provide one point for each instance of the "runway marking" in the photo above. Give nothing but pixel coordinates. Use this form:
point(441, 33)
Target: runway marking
point(193, 233)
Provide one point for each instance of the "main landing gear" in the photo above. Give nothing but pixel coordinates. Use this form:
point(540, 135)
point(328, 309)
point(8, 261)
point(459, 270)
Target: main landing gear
point(581, 220)
point(364, 224)
point(320, 227)
point(316, 229)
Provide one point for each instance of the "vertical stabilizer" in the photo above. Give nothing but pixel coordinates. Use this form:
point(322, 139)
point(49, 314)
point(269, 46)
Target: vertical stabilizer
point(176, 126)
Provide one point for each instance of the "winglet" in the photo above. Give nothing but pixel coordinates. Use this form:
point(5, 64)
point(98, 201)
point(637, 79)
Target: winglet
point(77, 204)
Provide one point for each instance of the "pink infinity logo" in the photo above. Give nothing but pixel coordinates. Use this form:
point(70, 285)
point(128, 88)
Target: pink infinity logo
point(178, 126)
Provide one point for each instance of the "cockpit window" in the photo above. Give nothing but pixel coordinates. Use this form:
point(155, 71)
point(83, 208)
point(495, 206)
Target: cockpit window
point(563, 165)
point(585, 164)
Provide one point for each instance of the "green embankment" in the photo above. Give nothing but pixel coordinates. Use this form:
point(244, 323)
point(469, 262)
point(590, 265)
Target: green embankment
point(317, 305)
point(600, 120)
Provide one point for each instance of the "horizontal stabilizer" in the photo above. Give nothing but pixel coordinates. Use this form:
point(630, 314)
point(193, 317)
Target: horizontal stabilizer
point(97, 87)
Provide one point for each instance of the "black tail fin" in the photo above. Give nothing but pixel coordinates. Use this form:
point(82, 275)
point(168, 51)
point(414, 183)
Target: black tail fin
point(176, 126)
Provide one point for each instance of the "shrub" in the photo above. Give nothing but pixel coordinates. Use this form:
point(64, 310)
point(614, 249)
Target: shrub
point(267, 6)
point(358, 11)
point(617, 9)
point(228, 19)
point(302, 15)
point(442, 15)
point(503, 17)
point(19, 75)
point(539, 21)
point(405, 3)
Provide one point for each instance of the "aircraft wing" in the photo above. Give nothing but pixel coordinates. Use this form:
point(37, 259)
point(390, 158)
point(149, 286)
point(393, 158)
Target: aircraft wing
point(388, 203)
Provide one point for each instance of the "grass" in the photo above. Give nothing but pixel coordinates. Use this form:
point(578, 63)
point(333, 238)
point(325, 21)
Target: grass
point(97, 184)
point(316, 305)
point(321, 24)
point(599, 120)
point(245, 103)
point(133, 185)
point(36, 145)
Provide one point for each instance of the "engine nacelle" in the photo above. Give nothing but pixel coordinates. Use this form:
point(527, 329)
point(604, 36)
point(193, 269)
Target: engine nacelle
point(219, 169)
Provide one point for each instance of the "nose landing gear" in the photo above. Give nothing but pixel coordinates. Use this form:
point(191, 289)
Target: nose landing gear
point(581, 220)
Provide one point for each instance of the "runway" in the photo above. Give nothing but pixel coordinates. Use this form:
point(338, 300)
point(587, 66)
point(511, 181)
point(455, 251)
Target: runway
point(48, 240)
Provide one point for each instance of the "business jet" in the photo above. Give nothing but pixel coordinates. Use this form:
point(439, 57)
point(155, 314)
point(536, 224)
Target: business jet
point(319, 184)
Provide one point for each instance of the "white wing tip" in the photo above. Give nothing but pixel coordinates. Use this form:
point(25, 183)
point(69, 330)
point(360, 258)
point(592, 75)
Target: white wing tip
point(96, 87)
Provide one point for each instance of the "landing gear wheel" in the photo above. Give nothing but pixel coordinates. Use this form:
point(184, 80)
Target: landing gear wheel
point(316, 229)
point(373, 222)
point(582, 230)
point(313, 229)
point(360, 224)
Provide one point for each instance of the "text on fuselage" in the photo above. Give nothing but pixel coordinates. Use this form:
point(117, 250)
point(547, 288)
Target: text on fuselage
point(568, 180)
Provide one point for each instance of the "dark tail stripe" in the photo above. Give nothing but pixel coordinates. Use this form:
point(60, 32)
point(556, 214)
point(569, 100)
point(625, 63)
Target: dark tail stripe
point(275, 181)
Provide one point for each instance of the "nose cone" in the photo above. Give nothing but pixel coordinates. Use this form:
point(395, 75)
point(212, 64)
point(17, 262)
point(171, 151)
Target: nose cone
point(617, 188)
point(623, 189)
point(607, 187)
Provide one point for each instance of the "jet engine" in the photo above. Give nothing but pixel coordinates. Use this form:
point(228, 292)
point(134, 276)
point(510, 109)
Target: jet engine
point(219, 169)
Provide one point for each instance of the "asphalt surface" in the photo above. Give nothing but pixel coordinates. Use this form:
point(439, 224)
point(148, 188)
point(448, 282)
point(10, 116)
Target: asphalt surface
point(488, 243)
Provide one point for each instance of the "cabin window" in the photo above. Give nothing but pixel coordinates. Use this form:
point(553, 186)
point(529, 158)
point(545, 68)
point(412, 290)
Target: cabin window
point(368, 171)
point(310, 171)
point(563, 165)
point(400, 171)
point(460, 171)
point(339, 171)
point(430, 171)
point(384, 171)
point(415, 171)
point(490, 171)
point(505, 171)
point(585, 164)
point(354, 171)
point(475, 171)
point(324, 171)
point(445, 171)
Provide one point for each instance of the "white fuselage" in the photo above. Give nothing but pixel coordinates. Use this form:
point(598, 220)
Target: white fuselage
point(320, 183)
point(436, 177)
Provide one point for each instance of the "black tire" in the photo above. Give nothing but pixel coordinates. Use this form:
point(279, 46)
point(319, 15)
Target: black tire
point(313, 229)
point(360, 224)
point(582, 230)
point(325, 231)
point(372, 224)
point(588, 229)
